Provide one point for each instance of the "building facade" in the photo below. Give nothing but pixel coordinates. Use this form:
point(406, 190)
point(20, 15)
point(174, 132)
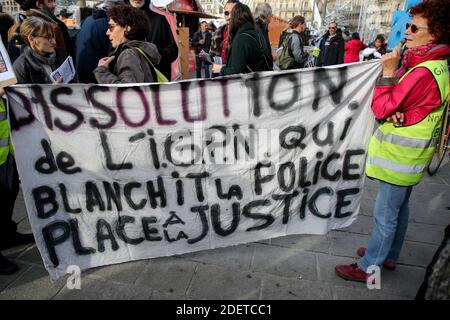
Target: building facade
point(379, 17)
point(368, 17)
point(212, 7)
point(10, 6)
point(286, 9)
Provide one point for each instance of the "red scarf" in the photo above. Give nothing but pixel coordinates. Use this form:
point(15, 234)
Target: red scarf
point(413, 56)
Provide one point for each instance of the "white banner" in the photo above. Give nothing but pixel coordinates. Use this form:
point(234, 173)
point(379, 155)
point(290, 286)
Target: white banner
point(113, 173)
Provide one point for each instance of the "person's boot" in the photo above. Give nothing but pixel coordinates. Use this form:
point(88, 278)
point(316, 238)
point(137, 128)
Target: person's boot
point(6, 266)
point(16, 239)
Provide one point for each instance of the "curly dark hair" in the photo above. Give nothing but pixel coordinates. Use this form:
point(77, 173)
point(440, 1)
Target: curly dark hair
point(437, 12)
point(136, 19)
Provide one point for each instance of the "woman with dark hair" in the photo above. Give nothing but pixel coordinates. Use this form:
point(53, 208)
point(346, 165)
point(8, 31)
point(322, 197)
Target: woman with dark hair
point(352, 48)
point(410, 102)
point(246, 52)
point(133, 59)
point(379, 45)
point(40, 57)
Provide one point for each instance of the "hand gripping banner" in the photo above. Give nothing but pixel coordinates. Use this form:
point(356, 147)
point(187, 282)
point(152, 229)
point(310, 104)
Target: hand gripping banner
point(114, 173)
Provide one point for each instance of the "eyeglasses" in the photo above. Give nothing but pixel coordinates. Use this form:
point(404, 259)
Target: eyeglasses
point(226, 13)
point(111, 27)
point(414, 28)
point(48, 36)
point(331, 28)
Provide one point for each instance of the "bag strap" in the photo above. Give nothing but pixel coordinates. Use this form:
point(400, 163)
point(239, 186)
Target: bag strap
point(260, 47)
point(152, 67)
point(257, 40)
point(288, 43)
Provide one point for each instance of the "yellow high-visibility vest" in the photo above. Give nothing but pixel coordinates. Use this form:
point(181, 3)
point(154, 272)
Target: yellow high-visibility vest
point(5, 143)
point(400, 155)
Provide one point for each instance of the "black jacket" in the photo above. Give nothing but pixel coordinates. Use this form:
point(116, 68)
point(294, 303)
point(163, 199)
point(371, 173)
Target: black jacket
point(245, 53)
point(197, 37)
point(263, 30)
point(92, 45)
point(29, 69)
point(161, 35)
point(331, 50)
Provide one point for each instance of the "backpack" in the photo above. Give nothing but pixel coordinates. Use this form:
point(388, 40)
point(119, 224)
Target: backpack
point(286, 58)
point(263, 63)
point(158, 75)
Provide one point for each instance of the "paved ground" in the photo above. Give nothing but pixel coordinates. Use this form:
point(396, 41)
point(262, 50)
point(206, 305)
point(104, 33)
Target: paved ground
point(292, 267)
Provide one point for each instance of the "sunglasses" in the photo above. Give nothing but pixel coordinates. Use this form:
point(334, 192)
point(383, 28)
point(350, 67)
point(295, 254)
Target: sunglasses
point(332, 28)
point(226, 13)
point(414, 28)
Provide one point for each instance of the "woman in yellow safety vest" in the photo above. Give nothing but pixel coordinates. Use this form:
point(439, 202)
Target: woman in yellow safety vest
point(410, 101)
point(9, 188)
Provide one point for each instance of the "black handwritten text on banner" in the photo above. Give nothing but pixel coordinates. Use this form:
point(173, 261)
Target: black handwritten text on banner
point(119, 173)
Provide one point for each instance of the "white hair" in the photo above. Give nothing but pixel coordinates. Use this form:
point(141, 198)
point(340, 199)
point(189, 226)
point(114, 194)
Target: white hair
point(262, 10)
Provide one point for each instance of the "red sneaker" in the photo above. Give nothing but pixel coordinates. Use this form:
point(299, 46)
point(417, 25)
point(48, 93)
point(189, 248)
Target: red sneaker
point(388, 264)
point(351, 272)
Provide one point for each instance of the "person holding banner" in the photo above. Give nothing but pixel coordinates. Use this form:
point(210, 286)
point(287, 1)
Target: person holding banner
point(411, 102)
point(40, 57)
point(9, 189)
point(133, 59)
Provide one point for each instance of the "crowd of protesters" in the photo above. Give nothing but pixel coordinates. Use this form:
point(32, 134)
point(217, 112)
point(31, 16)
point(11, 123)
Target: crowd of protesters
point(240, 45)
point(127, 42)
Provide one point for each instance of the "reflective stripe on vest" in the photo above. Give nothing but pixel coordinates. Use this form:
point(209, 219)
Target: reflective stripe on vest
point(394, 166)
point(4, 142)
point(406, 141)
point(400, 155)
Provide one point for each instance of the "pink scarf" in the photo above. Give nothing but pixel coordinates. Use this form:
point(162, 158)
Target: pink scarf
point(414, 56)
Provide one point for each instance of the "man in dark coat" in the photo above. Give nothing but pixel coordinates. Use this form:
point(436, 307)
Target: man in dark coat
point(332, 47)
point(92, 42)
point(263, 15)
point(201, 41)
point(160, 35)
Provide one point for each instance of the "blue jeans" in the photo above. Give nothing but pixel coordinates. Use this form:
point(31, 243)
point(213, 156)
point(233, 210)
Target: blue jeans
point(199, 63)
point(390, 214)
